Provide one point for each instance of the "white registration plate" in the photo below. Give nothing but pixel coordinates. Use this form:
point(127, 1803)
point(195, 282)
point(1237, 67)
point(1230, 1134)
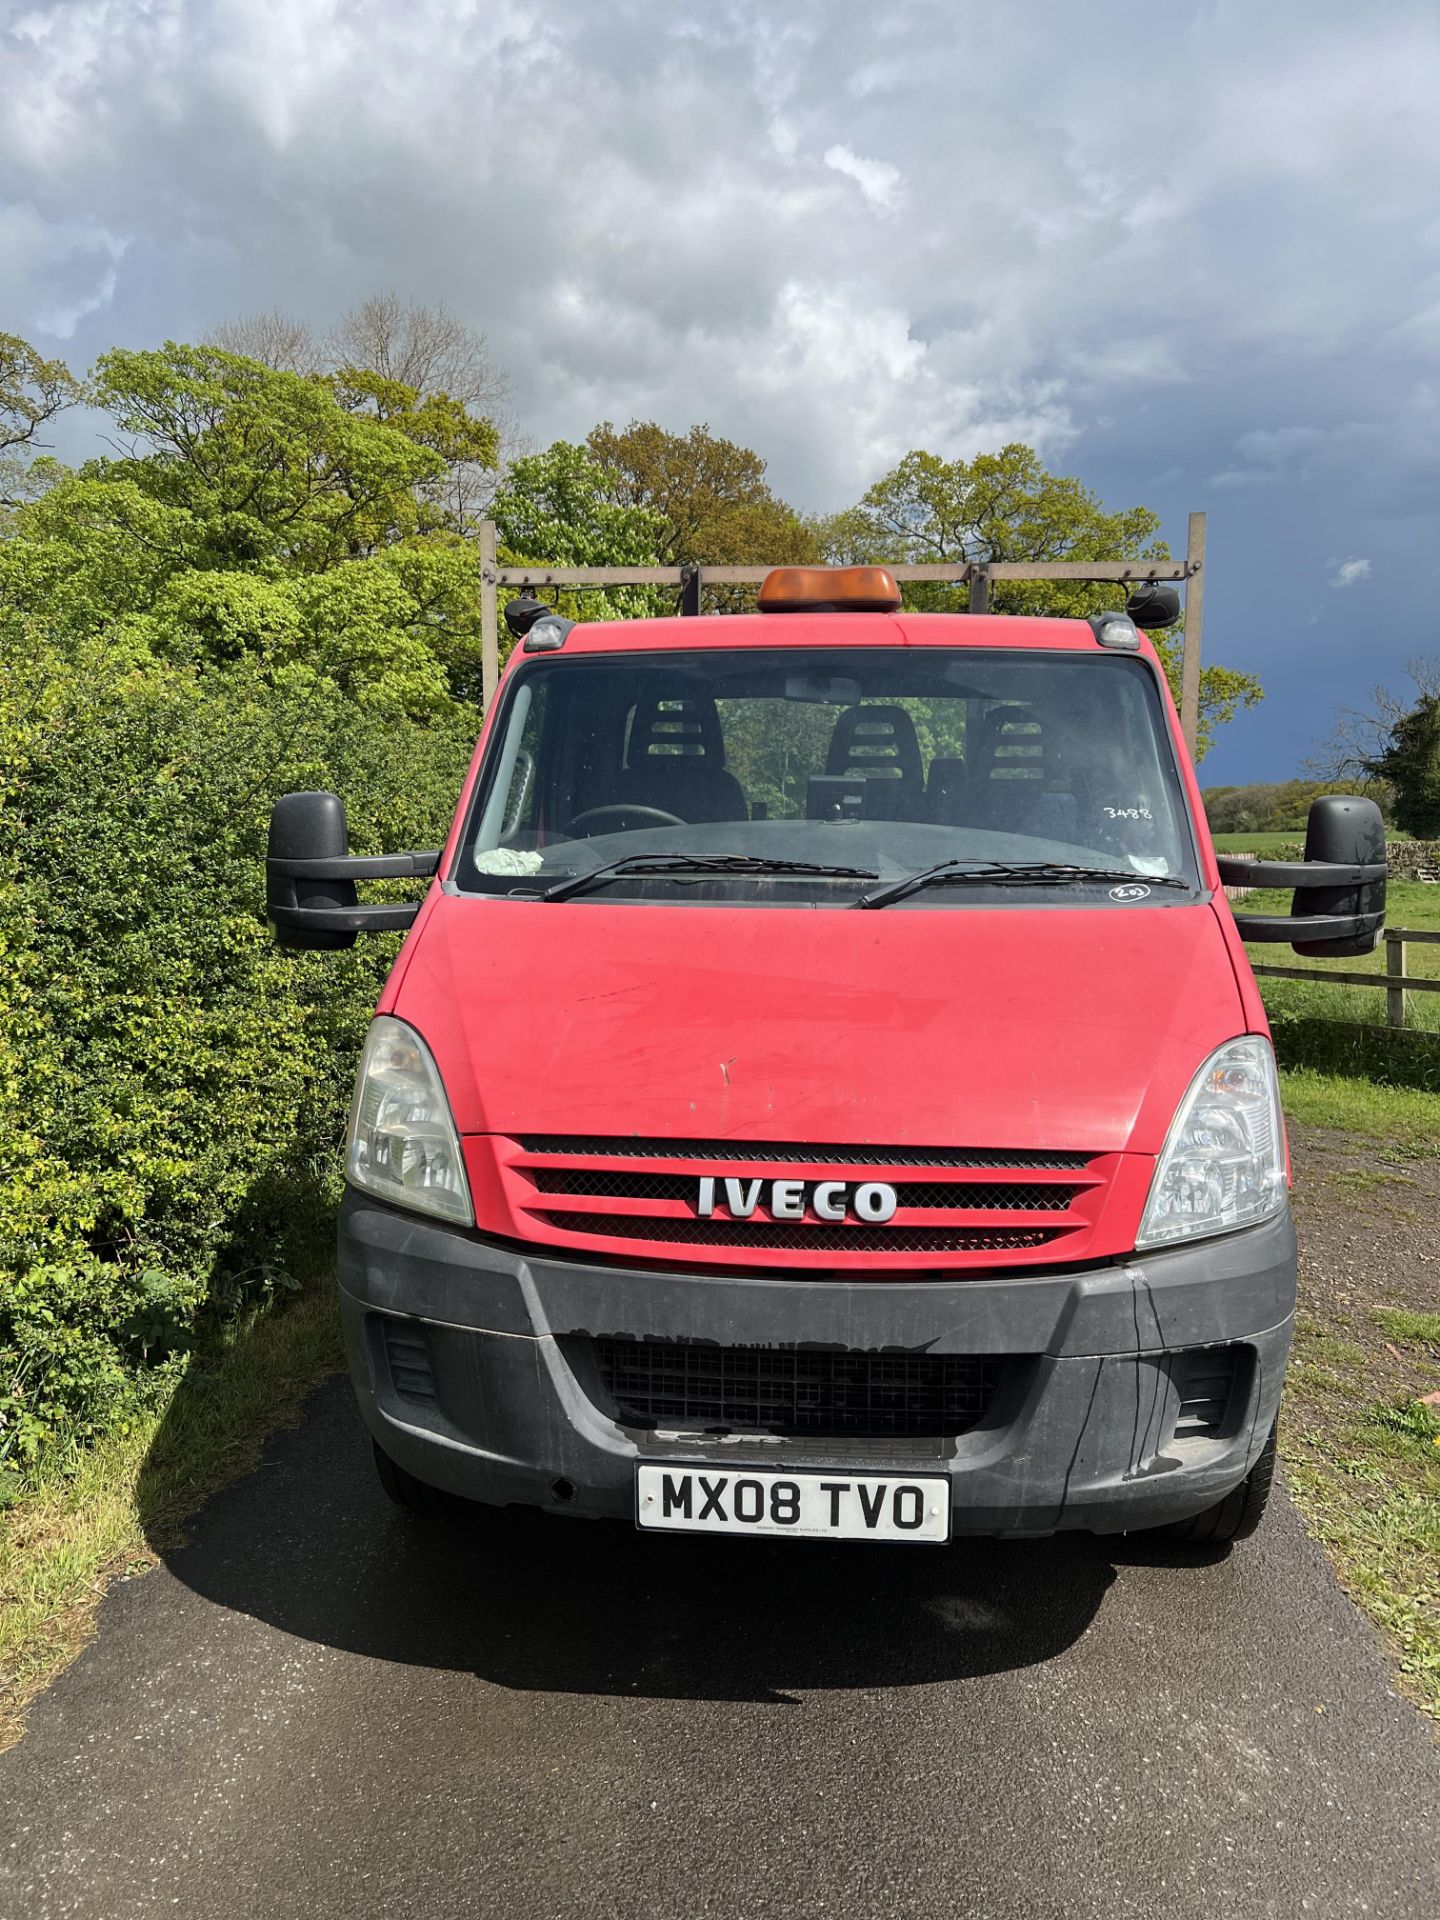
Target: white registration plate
point(813, 1504)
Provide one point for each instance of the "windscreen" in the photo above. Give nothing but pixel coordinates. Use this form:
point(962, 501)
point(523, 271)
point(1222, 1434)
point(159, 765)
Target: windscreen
point(815, 776)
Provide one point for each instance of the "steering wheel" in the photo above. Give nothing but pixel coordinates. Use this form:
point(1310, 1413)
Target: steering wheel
point(623, 816)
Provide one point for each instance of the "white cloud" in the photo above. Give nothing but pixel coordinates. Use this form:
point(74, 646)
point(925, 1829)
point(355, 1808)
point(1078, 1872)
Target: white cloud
point(652, 210)
point(1348, 572)
point(59, 271)
point(881, 185)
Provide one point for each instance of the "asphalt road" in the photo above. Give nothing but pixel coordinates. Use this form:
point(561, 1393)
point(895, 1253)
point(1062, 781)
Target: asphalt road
point(320, 1708)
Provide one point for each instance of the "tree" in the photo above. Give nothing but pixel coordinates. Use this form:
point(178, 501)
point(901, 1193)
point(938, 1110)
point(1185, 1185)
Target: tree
point(390, 345)
point(269, 465)
point(558, 506)
point(422, 347)
point(1007, 506)
point(33, 390)
point(467, 445)
point(426, 348)
point(1280, 806)
point(1393, 740)
point(996, 507)
point(276, 339)
point(253, 516)
point(443, 360)
point(711, 495)
point(1410, 762)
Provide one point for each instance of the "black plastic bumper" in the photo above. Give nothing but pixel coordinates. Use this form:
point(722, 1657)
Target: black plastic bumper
point(500, 1405)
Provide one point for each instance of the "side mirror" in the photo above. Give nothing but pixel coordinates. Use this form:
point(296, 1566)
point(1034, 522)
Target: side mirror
point(310, 877)
point(1153, 606)
point(1338, 907)
point(1347, 831)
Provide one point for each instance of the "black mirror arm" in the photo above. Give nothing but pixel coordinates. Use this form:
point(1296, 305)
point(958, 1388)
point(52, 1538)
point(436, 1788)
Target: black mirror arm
point(358, 866)
point(1284, 929)
point(358, 919)
point(361, 917)
point(1296, 873)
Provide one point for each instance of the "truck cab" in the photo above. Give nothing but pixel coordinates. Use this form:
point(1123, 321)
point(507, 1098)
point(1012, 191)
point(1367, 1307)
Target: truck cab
point(823, 1090)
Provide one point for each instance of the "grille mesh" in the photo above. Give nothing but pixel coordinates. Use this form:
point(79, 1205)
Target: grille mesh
point(795, 1391)
point(605, 1146)
point(910, 1193)
point(810, 1238)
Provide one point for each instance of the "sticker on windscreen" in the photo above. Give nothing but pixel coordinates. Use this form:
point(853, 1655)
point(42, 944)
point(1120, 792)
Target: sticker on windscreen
point(1130, 893)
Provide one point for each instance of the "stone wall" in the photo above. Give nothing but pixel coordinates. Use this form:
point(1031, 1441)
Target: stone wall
point(1414, 860)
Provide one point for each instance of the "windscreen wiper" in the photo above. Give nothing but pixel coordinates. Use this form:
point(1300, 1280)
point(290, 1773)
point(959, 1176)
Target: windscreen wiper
point(1005, 873)
point(736, 865)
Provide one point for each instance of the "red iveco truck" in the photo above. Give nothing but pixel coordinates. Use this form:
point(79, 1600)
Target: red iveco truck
point(823, 1091)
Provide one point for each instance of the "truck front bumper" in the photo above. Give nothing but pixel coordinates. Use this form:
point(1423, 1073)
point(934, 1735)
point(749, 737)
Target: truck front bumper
point(474, 1366)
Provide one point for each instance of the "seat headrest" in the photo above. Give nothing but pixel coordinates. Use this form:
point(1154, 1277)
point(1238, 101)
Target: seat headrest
point(1011, 745)
point(875, 740)
point(676, 724)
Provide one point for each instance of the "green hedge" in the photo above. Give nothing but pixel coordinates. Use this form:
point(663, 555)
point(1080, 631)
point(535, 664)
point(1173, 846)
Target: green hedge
point(1392, 1056)
point(172, 1087)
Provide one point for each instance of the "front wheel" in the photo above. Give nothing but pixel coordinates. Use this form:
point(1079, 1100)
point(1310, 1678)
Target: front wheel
point(405, 1490)
point(1234, 1518)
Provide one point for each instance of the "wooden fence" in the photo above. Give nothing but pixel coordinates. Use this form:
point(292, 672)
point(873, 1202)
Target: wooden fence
point(1396, 982)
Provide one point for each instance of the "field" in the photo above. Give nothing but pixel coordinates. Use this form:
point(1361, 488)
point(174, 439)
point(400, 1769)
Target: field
point(1275, 841)
point(1409, 904)
point(1272, 843)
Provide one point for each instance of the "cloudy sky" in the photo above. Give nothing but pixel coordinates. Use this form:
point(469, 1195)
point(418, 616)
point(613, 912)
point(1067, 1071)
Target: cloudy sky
point(1191, 252)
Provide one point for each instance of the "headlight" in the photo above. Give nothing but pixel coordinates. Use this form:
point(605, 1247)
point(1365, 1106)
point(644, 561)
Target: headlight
point(402, 1143)
point(1223, 1163)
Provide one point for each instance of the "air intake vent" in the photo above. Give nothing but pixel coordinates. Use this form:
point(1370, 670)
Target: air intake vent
point(407, 1354)
point(1206, 1380)
point(795, 1391)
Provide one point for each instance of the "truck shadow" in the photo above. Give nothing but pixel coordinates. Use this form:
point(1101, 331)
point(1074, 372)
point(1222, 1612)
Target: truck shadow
point(308, 1544)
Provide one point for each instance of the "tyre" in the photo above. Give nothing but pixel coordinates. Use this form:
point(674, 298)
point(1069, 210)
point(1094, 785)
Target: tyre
point(406, 1491)
point(1234, 1518)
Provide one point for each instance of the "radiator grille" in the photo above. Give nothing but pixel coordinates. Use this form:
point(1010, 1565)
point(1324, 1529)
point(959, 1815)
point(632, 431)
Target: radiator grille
point(795, 1391)
point(606, 1146)
point(812, 1238)
point(953, 1206)
point(605, 1183)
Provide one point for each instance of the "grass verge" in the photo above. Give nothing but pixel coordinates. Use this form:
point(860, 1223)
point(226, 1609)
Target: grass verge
point(1403, 1118)
point(1364, 1470)
point(62, 1543)
point(1360, 1443)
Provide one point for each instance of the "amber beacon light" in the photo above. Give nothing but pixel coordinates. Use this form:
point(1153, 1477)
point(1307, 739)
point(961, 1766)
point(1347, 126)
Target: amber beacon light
point(829, 590)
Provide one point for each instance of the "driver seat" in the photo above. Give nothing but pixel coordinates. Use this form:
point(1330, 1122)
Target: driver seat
point(675, 759)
